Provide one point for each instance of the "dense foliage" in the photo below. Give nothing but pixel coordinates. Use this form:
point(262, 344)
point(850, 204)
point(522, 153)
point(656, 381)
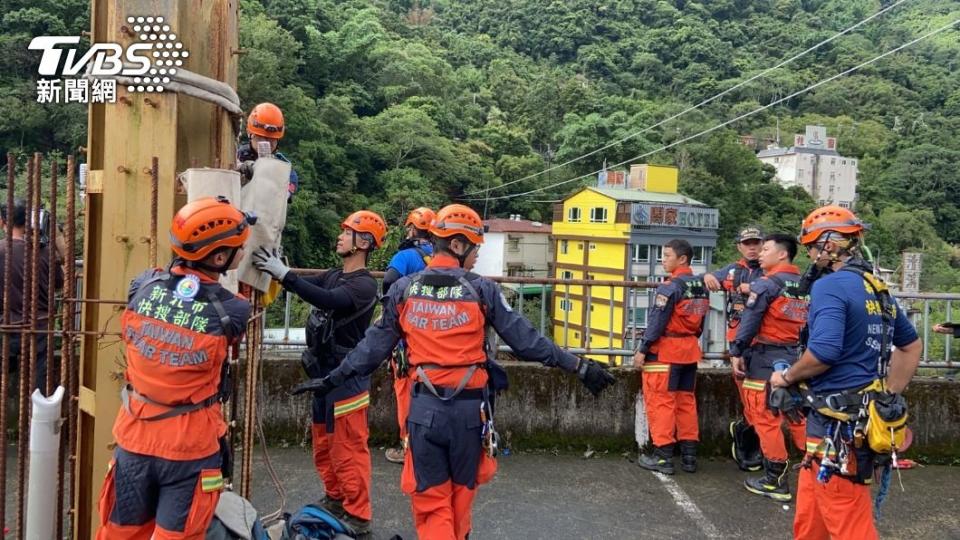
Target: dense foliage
point(396, 103)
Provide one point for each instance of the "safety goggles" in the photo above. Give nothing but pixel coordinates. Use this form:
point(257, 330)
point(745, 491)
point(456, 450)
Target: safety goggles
point(269, 128)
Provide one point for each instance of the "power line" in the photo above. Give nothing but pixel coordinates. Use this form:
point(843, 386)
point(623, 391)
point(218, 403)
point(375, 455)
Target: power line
point(692, 108)
point(741, 117)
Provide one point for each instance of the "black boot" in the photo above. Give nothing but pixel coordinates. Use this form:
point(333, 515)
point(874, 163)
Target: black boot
point(360, 526)
point(659, 460)
point(746, 446)
point(334, 506)
point(773, 483)
point(688, 456)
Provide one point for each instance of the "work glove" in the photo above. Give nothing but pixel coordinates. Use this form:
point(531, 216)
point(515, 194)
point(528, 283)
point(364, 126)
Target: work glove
point(245, 168)
point(594, 376)
point(787, 401)
point(320, 387)
point(270, 262)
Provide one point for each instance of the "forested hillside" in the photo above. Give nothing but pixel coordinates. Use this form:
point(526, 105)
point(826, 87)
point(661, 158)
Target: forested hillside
point(395, 104)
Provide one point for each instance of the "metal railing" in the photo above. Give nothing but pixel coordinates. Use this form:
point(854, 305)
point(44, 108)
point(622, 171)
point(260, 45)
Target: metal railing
point(613, 297)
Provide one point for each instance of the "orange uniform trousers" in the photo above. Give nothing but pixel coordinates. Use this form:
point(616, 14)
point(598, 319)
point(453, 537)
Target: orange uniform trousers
point(839, 509)
point(671, 413)
point(342, 460)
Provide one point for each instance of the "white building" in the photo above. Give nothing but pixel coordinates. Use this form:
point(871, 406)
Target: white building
point(515, 247)
point(814, 164)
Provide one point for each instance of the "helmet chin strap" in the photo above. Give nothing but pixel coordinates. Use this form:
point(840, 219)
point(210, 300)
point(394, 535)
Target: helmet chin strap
point(222, 269)
point(463, 258)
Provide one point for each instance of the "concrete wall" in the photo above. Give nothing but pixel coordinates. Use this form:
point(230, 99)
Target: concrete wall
point(545, 408)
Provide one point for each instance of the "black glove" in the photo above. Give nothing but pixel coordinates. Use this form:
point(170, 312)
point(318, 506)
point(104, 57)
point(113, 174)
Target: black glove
point(787, 401)
point(317, 386)
point(594, 376)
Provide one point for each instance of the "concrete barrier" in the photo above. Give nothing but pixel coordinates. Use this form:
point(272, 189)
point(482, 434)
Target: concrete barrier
point(546, 408)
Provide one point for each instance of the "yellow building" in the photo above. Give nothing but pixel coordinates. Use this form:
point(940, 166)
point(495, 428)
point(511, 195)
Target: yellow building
point(615, 232)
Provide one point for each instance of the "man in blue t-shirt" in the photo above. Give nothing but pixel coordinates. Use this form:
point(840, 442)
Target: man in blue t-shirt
point(860, 343)
point(413, 256)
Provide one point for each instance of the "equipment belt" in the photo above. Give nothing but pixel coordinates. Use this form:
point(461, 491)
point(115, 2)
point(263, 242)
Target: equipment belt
point(422, 376)
point(447, 394)
point(128, 392)
point(845, 402)
point(674, 334)
point(761, 341)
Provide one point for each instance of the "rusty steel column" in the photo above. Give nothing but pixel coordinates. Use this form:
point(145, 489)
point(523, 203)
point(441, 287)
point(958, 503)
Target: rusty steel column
point(123, 138)
point(68, 369)
point(5, 361)
point(25, 362)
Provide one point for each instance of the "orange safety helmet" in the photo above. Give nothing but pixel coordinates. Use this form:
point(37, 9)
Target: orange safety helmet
point(266, 120)
point(421, 218)
point(829, 218)
point(457, 219)
point(365, 221)
point(206, 224)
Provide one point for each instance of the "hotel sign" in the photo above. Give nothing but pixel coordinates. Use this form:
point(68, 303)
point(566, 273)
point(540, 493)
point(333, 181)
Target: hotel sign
point(673, 215)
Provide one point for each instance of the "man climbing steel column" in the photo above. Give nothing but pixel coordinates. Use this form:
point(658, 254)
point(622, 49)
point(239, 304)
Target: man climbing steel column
point(768, 339)
point(165, 478)
point(735, 279)
point(264, 125)
point(850, 367)
point(668, 357)
point(441, 313)
point(343, 303)
point(412, 257)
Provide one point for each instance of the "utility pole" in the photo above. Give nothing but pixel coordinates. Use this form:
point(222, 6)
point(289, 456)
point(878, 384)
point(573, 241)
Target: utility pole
point(122, 140)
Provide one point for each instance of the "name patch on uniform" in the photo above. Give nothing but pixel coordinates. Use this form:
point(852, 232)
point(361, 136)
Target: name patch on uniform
point(661, 301)
point(187, 288)
point(424, 314)
point(752, 299)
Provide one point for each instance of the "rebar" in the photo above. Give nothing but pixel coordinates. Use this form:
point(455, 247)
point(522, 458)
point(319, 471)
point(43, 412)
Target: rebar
point(5, 361)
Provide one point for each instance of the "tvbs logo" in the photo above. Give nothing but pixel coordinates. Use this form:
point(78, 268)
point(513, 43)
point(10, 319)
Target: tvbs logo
point(145, 65)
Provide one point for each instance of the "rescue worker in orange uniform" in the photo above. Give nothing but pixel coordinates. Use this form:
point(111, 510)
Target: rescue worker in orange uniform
point(264, 125)
point(735, 279)
point(412, 257)
point(165, 479)
point(861, 346)
point(442, 313)
point(768, 339)
point(343, 303)
point(668, 357)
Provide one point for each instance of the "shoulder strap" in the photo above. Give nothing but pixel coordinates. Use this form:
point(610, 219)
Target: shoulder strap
point(163, 275)
point(423, 254)
point(887, 312)
point(355, 316)
point(225, 320)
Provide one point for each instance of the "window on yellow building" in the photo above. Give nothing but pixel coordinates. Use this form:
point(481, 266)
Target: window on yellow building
point(580, 244)
point(566, 305)
point(566, 274)
point(593, 246)
point(564, 244)
point(598, 215)
point(573, 215)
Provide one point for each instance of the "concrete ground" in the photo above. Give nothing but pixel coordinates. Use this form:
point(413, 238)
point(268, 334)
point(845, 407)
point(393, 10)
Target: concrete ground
point(541, 495)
